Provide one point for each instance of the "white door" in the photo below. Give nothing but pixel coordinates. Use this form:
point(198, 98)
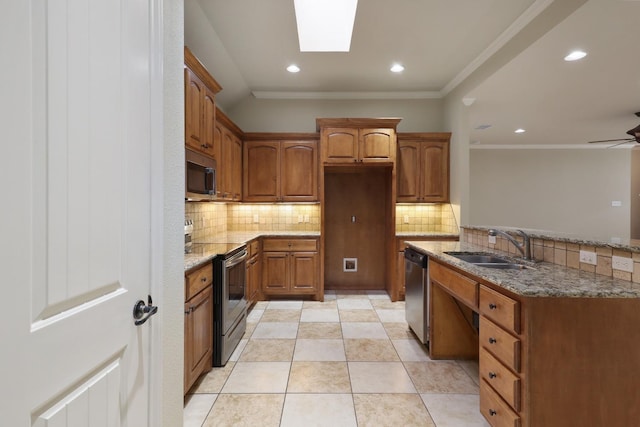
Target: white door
point(75, 183)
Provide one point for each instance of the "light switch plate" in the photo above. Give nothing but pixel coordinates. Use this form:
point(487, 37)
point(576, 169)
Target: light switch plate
point(622, 264)
point(406, 219)
point(256, 218)
point(588, 257)
point(492, 240)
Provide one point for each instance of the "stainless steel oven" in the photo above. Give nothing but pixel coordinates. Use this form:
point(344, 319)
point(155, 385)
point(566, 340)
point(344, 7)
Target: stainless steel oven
point(230, 309)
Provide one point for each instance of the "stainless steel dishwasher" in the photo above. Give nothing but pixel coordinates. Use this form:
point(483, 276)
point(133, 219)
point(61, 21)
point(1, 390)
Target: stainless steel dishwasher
point(416, 276)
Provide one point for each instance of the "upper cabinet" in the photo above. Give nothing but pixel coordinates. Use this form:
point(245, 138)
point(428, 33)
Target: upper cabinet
point(423, 167)
point(200, 111)
point(358, 140)
point(228, 148)
point(284, 170)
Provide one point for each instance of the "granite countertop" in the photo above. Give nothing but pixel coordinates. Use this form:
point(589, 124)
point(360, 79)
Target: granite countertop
point(434, 234)
point(205, 250)
point(543, 279)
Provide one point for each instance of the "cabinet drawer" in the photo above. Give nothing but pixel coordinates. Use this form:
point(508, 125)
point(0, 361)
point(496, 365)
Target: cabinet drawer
point(501, 309)
point(198, 280)
point(495, 410)
point(253, 248)
point(294, 245)
point(505, 382)
point(500, 343)
point(463, 288)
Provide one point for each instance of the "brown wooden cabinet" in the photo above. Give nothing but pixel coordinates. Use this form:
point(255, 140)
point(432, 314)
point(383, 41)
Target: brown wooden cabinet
point(285, 171)
point(228, 148)
point(254, 269)
point(543, 360)
point(366, 145)
point(423, 167)
point(200, 110)
point(198, 324)
point(290, 266)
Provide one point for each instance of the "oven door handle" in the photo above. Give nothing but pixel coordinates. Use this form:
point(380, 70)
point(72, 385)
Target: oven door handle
point(236, 259)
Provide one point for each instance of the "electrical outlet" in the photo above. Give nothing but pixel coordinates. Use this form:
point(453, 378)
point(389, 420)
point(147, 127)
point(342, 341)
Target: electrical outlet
point(256, 218)
point(622, 263)
point(492, 240)
point(406, 219)
point(588, 257)
point(300, 218)
point(306, 218)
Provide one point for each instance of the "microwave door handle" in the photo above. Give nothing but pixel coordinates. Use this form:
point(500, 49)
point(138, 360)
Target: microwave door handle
point(209, 179)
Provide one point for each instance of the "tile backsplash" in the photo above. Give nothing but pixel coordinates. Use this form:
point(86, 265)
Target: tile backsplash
point(425, 217)
point(210, 219)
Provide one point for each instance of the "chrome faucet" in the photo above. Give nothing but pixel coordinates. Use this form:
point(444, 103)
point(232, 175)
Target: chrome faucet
point(525, 248)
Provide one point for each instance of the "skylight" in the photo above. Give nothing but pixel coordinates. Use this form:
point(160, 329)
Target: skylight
point(325, 25)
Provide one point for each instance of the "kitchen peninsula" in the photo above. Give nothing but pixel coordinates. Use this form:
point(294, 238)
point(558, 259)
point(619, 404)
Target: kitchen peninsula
point(557, 346)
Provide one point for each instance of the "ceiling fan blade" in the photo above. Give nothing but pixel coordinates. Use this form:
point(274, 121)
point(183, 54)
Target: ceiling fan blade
point(613, 140)
point(620, 143)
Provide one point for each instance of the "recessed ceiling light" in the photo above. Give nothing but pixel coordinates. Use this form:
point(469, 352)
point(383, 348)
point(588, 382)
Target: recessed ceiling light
point(575, 55)
point(293, 68)
point(325, 26)
point(482, 127)
point(519, 130)
point(397, 68)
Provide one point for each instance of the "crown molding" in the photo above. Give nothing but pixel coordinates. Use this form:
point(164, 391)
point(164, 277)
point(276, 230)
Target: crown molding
point(549, 147)
point(347, 95)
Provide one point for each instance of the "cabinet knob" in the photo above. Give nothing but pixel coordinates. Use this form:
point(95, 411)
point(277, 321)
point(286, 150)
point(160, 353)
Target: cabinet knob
point(492, 412)
point(204, 279)
point(492, 341)
point(492, 375)
point(492, 306)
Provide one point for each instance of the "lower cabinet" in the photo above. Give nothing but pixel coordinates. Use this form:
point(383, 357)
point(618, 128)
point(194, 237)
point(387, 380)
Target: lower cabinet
point(254, 269)
point(290, 267)
point(198, 324)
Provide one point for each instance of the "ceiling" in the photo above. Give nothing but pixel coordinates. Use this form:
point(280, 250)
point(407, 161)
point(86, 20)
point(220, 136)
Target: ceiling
point(247, 44)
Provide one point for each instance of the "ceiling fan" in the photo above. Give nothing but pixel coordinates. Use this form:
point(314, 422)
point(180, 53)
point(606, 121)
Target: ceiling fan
point(635, 136)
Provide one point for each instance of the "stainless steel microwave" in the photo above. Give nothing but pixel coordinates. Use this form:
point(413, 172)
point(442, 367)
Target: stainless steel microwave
point(200, 176)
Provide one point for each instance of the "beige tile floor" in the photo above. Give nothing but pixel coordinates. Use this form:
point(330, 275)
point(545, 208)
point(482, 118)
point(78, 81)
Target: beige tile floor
point(348, 361)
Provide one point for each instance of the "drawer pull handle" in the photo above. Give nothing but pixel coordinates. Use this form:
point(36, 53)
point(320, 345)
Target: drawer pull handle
point(492, 341)
point(492, 375)
point(492, 306)
point(204, 279)
point(492, 412)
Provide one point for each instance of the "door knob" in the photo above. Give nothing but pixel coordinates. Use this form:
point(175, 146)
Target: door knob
point(142, 311)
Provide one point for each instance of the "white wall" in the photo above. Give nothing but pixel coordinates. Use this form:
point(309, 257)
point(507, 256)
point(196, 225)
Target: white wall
point(267, 115)
point(568, 191)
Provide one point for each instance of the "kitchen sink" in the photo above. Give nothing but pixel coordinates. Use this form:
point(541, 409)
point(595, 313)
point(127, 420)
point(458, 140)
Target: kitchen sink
point(487, 260)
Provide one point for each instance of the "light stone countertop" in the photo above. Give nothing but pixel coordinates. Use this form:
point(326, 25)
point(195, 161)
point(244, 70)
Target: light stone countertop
point(541, 280)
point(205, 250)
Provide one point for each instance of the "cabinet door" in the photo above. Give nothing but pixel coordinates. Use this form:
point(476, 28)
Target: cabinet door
point(224, 170)
point(339, 145)
point(377, 145)
point(193, 98)
point(299, 171)
point(435, 172)
point(198, 336)
point(275, 272)
point(209, 117)
point(304, 272)
point(261, 171)
point(218, 141)
point(408, 174)
point(236, 168)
